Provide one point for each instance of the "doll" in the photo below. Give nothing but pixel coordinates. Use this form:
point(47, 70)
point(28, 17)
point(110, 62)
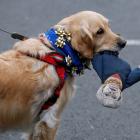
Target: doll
point(116, 75)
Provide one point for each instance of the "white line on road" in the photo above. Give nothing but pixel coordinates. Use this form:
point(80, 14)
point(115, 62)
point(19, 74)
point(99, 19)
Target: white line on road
point(133, 42)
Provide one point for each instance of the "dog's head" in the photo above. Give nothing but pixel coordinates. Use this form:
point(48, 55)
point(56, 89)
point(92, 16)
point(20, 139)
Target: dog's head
point(91, 33)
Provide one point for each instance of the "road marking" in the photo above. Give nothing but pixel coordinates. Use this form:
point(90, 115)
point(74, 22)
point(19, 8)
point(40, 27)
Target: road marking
point(133, 42)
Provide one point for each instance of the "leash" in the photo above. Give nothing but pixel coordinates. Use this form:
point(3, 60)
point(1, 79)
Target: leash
point(14, 35)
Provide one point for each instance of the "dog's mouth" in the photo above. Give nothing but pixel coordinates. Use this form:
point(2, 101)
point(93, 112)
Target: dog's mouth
point(118, 48)
point(119, 45)
point(114, 48)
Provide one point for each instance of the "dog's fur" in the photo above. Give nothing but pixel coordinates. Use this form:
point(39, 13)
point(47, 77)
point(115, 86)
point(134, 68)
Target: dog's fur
point(26, 83)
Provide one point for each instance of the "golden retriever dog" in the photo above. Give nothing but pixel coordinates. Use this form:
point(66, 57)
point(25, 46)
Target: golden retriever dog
point(27, 82)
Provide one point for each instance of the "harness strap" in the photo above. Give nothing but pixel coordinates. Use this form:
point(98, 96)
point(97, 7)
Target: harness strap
point(52, 58)
point(52, 100)
point(55, 59)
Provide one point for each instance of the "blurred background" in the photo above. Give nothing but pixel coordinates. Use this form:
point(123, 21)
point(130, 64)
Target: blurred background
point(84, 118)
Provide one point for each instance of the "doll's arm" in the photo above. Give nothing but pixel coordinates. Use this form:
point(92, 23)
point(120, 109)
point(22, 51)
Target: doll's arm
point(133, 77)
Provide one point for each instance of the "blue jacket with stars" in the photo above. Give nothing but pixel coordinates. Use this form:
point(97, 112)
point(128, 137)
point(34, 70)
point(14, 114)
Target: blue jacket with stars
point(107, 63)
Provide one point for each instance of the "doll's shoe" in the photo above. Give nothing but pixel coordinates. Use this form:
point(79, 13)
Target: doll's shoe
point(109, 95)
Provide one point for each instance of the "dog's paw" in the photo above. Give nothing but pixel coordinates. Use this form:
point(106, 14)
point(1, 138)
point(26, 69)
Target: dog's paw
point(24, 136)
point(40, 131)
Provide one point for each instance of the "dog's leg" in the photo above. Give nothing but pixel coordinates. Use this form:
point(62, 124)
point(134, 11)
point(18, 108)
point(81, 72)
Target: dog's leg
point(65, 96)
point(43, 132)
point(46, 128)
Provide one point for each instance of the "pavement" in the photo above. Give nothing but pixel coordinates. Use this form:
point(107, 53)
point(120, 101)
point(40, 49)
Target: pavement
point(84, 118)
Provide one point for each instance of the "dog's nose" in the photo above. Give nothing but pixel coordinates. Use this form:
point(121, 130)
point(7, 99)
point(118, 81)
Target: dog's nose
point(121, 43)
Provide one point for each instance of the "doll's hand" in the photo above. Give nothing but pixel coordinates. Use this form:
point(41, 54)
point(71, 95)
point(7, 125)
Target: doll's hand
point(109, 95)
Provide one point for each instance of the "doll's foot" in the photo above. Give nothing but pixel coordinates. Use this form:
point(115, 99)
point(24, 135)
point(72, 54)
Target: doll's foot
point(109, 94)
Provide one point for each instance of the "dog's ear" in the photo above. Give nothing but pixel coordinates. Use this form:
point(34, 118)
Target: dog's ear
point(85, 32)
point(82, 39)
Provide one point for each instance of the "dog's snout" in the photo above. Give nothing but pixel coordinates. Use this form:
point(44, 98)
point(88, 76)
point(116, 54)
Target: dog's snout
point(121, 43)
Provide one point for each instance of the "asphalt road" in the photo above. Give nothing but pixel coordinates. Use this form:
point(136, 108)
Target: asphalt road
point(84, 118)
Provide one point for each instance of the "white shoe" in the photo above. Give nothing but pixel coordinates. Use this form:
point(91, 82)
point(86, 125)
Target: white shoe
point(109, 95)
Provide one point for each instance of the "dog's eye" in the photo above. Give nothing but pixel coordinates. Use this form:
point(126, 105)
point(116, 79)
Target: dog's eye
point(100, 31)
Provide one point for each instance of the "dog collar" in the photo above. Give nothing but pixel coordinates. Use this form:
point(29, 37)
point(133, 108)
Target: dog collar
point(61, 42)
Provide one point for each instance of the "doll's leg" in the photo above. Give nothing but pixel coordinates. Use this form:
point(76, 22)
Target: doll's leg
point(109, 93)
point(133, 77)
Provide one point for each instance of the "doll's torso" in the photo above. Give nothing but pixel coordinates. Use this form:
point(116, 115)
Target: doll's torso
point(107, 63)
